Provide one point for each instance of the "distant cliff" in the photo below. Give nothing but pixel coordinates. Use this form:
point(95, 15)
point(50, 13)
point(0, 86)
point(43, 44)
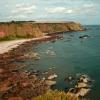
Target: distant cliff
point(33, 29)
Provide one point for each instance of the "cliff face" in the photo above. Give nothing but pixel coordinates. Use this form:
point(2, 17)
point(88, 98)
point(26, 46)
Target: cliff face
point(31, 29)
point(20, 30)
point(59, 27)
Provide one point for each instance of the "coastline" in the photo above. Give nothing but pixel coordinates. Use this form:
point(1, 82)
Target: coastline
point(19, 81)
point(14, 80)
point(6, 46)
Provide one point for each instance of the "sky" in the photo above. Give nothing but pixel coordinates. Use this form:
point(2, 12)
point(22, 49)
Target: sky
point(82, 11)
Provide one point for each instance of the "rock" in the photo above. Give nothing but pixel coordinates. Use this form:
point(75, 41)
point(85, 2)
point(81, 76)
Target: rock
point(84, 78)
point(46, 72)
point(51, 68)
point(61, 38)
point(34, 72)
point(2, 71)
point(52, 76)
point(37, 58)
point(77, 92)
point(51, 53)
point(25, 84)
point(84, 37)
point(82, 85)
point(72, 92)
point(32, 55)
point(50, 83)
point(15, 70)
point(70, 78)
point(4, 88)
point(43, 78)
point(83, 91)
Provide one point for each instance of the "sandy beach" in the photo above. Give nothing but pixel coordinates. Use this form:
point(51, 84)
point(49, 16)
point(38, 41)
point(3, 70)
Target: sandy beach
point(5, 46)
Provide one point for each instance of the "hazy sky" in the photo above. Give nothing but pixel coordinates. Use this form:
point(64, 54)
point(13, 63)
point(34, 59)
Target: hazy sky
point(83, 11)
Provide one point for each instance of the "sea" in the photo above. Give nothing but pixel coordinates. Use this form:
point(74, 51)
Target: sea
point(72, 56)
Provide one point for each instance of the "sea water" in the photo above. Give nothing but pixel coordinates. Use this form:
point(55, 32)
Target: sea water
point(72, 56)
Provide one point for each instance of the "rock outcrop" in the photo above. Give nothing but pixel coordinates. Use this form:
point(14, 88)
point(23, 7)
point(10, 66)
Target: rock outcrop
point(34, 29)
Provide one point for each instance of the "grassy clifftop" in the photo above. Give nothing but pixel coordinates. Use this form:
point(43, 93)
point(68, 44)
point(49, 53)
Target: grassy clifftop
point(12, 30)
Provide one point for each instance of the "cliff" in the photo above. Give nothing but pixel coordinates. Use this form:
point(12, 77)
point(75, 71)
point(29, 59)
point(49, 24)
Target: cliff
point(33, 29)
point(59, 27)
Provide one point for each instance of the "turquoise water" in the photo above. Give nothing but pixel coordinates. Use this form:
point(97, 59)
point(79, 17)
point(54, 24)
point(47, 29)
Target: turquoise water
point(73, 56)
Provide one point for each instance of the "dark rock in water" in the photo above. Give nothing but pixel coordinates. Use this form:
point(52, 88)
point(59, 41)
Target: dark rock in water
point(84, 36)
point(71, 35)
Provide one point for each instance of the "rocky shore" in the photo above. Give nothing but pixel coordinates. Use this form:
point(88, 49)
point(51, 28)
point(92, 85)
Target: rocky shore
point(16, 83)
point(19, 84)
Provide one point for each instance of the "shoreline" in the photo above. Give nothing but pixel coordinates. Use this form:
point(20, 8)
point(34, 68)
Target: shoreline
point(14, 80)
point(6, 46)
point(17, 82)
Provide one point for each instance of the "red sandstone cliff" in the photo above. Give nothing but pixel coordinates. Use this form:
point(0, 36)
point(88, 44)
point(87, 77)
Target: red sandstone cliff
point(32, 29)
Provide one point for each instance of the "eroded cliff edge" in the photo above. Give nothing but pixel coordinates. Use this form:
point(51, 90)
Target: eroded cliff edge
point(35, 29)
